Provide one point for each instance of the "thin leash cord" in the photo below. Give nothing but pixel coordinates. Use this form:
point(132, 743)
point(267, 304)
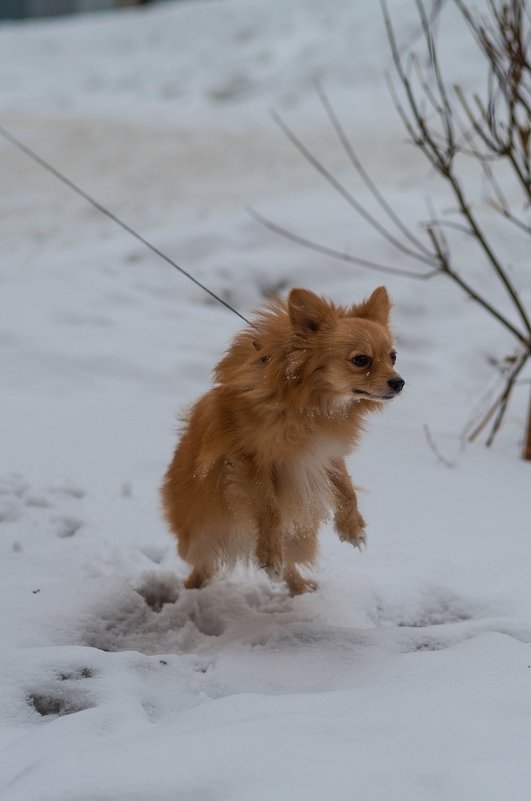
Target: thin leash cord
point(59, 175)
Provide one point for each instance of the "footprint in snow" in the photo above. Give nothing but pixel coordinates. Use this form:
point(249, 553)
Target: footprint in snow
point(433, 620)
point(67, 526)
point(20, 500)
point(63, 696)
point(158, 589)
point(12, 491)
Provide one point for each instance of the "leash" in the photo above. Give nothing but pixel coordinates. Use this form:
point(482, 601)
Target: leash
point(59, 175)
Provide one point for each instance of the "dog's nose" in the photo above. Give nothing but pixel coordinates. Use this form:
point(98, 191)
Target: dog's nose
point(396, 384)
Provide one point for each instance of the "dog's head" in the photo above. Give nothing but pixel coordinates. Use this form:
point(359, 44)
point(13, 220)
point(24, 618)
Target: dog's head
point(348, 351)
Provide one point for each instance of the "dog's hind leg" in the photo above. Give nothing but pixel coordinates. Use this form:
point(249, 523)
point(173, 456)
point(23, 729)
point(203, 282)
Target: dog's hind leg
point(270, 542)
point(301, 548)
point(198, 551)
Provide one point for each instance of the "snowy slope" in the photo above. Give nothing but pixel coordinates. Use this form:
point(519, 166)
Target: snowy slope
point(407, 675)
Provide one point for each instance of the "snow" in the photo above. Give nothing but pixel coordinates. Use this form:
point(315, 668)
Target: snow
point(407, 674)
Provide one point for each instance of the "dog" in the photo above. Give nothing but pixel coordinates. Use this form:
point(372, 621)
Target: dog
point(260, 463)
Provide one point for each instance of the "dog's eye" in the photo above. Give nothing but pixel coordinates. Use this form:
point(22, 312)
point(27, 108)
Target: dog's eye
point(361, 360)
point(393, 356)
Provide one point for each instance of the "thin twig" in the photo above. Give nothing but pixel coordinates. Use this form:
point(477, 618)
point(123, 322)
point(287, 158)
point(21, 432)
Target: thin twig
point(500, 404)
point(338, 186)
point(362, 172)
point(445, 267)
point(433, 447)
point(336, 254)
point(505, 398)
point(508, 216)
point(447, 115)
point(492, 258)
point(447, 224)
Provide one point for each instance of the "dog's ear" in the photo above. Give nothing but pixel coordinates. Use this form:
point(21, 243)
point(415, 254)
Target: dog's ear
point(376, 308)
point(307, 311)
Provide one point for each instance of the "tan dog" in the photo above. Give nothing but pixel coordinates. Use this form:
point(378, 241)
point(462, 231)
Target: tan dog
point(260, 463)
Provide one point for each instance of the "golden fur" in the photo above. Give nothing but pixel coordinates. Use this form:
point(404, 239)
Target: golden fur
point(260, 463)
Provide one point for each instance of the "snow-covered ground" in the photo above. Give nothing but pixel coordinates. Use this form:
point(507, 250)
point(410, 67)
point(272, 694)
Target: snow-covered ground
point(407, 675)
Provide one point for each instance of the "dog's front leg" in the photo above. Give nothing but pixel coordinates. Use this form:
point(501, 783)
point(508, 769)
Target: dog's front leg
point(348, 522)
point(270, 542)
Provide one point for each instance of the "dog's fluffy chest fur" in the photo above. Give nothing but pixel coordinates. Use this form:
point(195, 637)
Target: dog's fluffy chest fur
point(304, 482)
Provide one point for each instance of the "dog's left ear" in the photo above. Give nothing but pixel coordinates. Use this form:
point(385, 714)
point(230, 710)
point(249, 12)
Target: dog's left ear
point(376, 308)
point(307, 311)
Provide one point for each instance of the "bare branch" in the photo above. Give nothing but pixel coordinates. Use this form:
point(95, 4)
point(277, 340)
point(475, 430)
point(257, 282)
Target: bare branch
point(442, 159)
point(492, 129)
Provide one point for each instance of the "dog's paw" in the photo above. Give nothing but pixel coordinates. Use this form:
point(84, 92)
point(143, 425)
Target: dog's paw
point(353, 531)
point(197, 579)
point(298, 585)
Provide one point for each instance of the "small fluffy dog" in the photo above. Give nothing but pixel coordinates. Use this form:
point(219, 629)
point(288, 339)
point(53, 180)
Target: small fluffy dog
point(260, 463)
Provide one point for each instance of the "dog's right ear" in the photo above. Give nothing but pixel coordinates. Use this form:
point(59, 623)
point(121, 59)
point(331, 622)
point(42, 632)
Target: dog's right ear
point(307, 311)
